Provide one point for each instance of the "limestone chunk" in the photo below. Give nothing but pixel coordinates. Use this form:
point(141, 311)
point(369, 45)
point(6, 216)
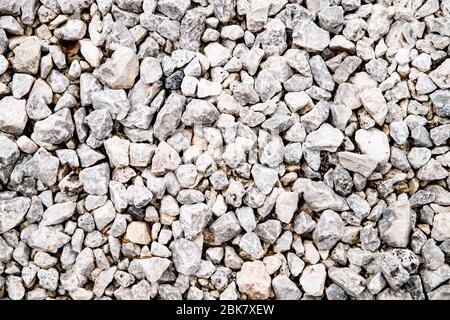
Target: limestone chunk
point(42, 166)
point(395, 226)
point(95, 179)
point(165, 159)
point(374, 103)
point(257, 14)
point(200, 112)
point(374, 143)
point(13, 116)
point(225, 228)
point(347, 279)
point(285, 289)
point(440, 75)
point(174, 9)
point(319, 196)
point(313, 279)
point(12, 212)
point(329, 230)
point(72, 30)
point(55, 129)
point(48, 239)
point(254, 280)
point(139, 232)
point(186, 256)
point(119, 71)
point(150, 70)
point(194, 218)
point(309, 36)
point(360, 163)
point(224, 10)
point(104, 215)
point(441, 226)
point(265, 178)
point(217, 54)
point(58, 213)
point(114, 101)
point(286, 206)
point(117, 150)
point(9, 154)
point(154, 268)
point(326, 138)
point(432, 170)
point(91, 52)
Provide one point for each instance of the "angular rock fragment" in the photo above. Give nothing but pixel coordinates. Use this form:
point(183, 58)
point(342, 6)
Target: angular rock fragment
point(13, 116)
point(329, 230)
point(359, 163)
point(174, 9)
point(286, 206)
point(12, 212)
point(224, 149)
point(42, 166)
point(119, 71)
point(139, 232)
point(48, 239)
point(95, 179)
point(395, 225)
point(154, 267)
point(225, 228)
point(186, 256)
point(199, 112)
point(313, 279)
point(72, 30)
point(320, 197)
point(374, 103)
point(27, 56)
point(350, 281)
point(165, 159)
point(309, 36)
point(58, 213)
point(265, 178)
point(254, 280)
point(194, 218)
point(374, 143)
point(114, 101)
point(441, 226)
point(439, 75)
point(432, 170)
point(9, 153)
point(326, 138)
point(55, 129)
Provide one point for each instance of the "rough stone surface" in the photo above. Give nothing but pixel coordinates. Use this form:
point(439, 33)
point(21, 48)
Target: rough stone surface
point(395, 225)
point(224, 149)
point(254, 280)
point(120, 71)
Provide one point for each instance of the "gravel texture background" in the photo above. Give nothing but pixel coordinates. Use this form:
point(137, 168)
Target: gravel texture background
point(224, 149)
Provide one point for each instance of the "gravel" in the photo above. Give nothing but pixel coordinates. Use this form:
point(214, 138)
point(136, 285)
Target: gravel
point(224, 149)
